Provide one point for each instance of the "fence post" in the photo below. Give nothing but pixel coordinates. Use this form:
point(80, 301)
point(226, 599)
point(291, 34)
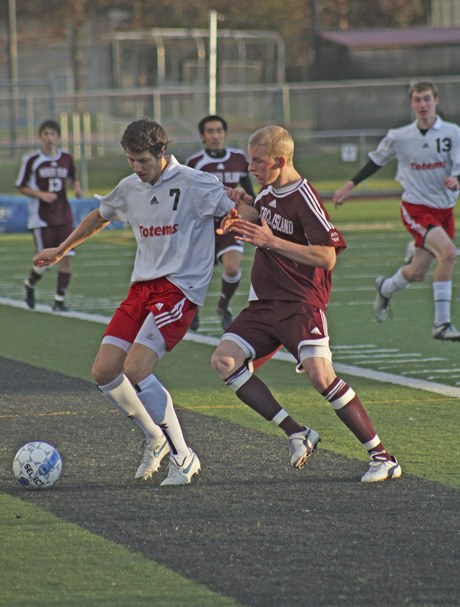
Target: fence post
point(76, 135)
point(64, 129)
point(286, 104)
point(87, 139)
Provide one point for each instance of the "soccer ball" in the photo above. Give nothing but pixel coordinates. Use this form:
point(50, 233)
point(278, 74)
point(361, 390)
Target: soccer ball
point(37, 465)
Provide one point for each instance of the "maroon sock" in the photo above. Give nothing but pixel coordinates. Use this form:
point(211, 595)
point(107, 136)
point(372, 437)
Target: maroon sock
point(256, 395)
point(33, 278)
point(63, 280)
point(351, 412)
point(227, 291)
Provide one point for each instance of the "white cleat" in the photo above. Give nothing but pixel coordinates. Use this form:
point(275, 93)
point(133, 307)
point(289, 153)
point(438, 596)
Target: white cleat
point(382, 470)
point(153, 454)
point(301, 446)
point(446, 332)
point(182, 474)
point(382, 304)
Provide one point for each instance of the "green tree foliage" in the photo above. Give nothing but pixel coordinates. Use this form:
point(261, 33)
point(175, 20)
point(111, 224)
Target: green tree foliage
point(42, 22)
point(358, 14)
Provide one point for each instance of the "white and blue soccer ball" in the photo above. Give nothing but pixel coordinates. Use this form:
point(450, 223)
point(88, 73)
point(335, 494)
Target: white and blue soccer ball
point(37, 465)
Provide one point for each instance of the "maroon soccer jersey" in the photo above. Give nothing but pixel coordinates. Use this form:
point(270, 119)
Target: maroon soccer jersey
point(294, 213)
point(230, 169)
point(49, 174)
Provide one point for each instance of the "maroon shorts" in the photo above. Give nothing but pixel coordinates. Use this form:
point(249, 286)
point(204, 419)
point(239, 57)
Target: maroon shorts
point(51, 236)
point(172, 311)
point(267, 324)
point(227, 242)
point(417, 219)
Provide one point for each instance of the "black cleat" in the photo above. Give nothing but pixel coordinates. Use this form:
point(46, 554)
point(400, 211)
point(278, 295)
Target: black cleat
point(59, 307)
point(225, 316)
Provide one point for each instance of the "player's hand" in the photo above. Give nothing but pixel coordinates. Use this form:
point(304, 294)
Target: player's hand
point(48, 197)
point(342, 193)
point(238, 195)
point(451, 183)
point(257, 235)
point(47, 257)
point(77, 189)
point(227, 222)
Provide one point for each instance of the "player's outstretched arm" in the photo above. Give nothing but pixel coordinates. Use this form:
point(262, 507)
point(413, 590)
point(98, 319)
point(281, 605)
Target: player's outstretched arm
point(227, 222)
point(342, 193)
point(243, 204)
point(89, 226)
point(366, 171)
point(243, 209)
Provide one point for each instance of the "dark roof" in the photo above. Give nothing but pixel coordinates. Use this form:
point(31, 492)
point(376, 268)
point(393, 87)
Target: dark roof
point(397, 38)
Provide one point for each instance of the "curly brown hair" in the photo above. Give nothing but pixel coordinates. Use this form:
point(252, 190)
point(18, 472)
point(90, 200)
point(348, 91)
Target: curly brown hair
point(143, 135)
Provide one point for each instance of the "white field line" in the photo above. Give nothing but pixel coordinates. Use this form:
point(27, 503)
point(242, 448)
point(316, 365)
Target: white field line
point(388, 378)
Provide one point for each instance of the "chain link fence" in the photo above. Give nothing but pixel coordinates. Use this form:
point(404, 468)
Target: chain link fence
point(334, 124)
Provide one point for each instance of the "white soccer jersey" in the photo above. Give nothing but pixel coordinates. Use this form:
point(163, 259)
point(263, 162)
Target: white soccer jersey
point(173, 222)
point(423, 161)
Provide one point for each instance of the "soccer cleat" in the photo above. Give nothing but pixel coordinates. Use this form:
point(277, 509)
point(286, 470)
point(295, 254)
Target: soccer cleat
point(301, 446)
point(382, 470)
point(381, 304)
point(446, 332)
point(153, 454)
point(182, 475)
point(195, 324)
point(225, 317)
point(29, 295)
point(59, 306)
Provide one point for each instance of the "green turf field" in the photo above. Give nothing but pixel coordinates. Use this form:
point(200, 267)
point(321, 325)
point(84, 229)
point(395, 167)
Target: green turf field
point(419, 425)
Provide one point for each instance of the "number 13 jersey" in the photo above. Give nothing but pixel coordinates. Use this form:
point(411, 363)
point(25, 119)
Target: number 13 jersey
point(47, 174)
point(424, 160)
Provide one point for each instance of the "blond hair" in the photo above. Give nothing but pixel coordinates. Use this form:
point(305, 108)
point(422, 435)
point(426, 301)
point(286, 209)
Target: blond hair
point(277, 141)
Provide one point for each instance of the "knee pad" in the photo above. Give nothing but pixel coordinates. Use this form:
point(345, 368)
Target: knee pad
point(313, 351)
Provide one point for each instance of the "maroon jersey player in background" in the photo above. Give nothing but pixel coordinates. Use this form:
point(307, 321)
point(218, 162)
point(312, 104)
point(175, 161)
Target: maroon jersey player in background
point(296, 248)
point(42, 177)
point(230, 166)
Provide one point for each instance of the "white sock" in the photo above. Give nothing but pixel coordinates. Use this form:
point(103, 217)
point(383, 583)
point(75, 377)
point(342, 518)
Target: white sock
point(232, 279)
point(394, 283)
point(159, 404)
point(442, 295)
point(121, 394)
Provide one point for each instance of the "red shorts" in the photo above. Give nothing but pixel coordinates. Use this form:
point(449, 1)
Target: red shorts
point(172, 311)
point(418, 218)
point(51, 236)
point(265, 325)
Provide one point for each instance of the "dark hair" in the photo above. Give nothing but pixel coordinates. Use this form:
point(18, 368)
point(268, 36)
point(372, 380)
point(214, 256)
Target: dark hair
point(49, 124)
point(203, 121)
point(143, 135)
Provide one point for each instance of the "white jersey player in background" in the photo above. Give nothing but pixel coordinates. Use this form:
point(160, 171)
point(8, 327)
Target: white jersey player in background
point(427, 152)
point(171, 210)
